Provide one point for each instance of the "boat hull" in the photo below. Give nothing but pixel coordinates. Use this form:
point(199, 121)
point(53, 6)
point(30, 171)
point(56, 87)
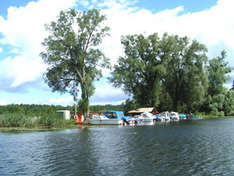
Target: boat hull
point(105, 121)
point(146, 121)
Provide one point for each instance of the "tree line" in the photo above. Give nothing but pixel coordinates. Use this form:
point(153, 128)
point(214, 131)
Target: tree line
point(173, 73)
point(169, 72)
point(35, 110)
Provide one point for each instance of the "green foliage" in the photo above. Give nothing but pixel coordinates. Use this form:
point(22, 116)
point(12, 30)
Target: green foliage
point(172, 73)
point(166, 103)
point(228, 105)
point(72, 53)
point(185, 80)
point(156, 70)
point(50, 121)
point(33, 116)
point(140, 69)
point(102, 108)
point(217, 103)
point(218, 100)
point(217, 74)
point(83, 105)
point(42, 116)
point(129, 105)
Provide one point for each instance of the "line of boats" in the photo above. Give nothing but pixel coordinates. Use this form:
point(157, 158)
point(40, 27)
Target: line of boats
point(145, 118)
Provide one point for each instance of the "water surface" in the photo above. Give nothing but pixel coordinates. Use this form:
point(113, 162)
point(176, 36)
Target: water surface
point(202, 147)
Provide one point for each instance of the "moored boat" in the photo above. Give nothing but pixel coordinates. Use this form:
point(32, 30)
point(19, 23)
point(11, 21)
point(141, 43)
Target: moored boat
point(109, 118)
point(165, 116)
point(146, 118)
point(102, 120)
point(174, 116)
point(182, 116)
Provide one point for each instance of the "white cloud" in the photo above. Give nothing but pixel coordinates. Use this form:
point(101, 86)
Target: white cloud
point(3, 102)
point(84, 3)
point(211, 26)
point(0, 50)
point(21, 69)
point(24, 31)
point(61, 101)
point(106, 94)
point(94, 1)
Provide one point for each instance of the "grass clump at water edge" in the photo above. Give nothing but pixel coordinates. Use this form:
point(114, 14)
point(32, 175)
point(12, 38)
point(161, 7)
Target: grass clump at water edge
point(14, 120)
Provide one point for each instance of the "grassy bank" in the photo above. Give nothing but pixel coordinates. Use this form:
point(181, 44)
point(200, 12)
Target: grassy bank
point(212, 116)
point(21, 122)
point(49, 121)
point(23, 129)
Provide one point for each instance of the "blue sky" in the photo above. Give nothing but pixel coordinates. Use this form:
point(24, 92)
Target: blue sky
point(189, 5)
point(22, 31)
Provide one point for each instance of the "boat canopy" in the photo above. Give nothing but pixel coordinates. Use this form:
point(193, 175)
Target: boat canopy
point(114, 114)
point(152, 110)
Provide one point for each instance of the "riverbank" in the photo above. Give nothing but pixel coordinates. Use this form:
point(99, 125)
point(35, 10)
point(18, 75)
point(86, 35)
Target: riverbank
point(18, 123)
point(25, 129)
point(210, 116)
point(47, 121)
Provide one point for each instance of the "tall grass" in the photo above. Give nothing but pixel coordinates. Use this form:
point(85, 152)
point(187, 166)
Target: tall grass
point(42, 121)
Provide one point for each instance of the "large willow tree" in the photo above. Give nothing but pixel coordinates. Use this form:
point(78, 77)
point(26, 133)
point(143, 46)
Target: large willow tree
point(72, 54)
point(186, 78)
point(140, 71)
point(219, 101)
point(166, 72)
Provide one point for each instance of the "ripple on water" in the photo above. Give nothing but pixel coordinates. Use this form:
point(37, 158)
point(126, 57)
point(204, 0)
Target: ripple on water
point(189, 148)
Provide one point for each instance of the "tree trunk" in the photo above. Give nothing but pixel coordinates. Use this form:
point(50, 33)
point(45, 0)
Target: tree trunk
point(84, 104)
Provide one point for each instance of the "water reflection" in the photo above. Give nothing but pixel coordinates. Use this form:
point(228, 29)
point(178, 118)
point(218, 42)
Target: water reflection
point(109, 148)
point(68, 153)
point(186, 148)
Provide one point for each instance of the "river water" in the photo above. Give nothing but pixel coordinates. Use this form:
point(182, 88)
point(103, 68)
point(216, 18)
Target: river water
point(201, 147)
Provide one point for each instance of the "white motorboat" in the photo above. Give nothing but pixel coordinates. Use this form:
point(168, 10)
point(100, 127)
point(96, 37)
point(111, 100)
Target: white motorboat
point(174, 116)
point(159, 118)
point(102, 120)
point(165, 116)
point(146, 118)
point(108, 118)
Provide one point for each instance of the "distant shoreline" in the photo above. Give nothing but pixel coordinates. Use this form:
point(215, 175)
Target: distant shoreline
point(75, 126)
point(25, 129)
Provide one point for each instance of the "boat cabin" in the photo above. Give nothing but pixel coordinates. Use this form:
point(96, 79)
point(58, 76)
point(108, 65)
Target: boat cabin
point(114, 114)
